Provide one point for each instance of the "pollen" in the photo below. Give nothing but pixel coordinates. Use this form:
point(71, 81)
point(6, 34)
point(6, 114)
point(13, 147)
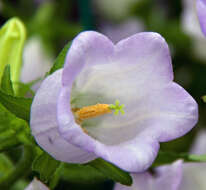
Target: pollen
point(97, 110)
point(92, 111)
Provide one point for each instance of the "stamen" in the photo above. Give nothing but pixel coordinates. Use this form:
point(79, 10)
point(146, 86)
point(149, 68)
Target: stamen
point(92, 111)
point(97, 110)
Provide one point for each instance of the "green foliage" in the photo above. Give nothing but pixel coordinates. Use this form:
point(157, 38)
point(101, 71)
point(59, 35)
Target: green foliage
point(25, 89)
point(7, 86)
point(59, 62)
point(54, 29)
point(204, 98)
point(16, 105)
point(20, 170)
point(111, 171)
point(51, 170)
point(6, 83)
point(5, 165)
point(169, 157)
point(12, 38)
point(13, 130)
point(82, 173)
point(46, 166)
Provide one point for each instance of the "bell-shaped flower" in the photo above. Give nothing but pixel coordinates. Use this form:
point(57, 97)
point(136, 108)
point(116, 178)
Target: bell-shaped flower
point(71, 115)
point(201, 11)
point(166, 177)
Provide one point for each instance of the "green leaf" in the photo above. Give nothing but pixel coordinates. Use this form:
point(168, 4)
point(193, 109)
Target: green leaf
point(16, 105)
point(82, 173)
point(54, 180)
point(5, 165)
point(25, 89)
point(13, 131)
point(20, 170)
point(59, 62)
point(12, 38)
point(6, 84)
point(46, 166)
point(169, 157)
point(111, 171)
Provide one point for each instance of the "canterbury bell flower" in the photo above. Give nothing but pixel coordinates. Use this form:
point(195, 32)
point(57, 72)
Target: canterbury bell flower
point(72, 112)
point(166, 177)
point(201, 11)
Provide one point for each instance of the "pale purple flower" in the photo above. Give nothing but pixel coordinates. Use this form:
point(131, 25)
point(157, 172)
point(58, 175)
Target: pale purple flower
point(166, 177)
point(36, 185)
point(36, 62)
point(191, 26)
point(194, 174)
point(138, 72)
point(201, 10)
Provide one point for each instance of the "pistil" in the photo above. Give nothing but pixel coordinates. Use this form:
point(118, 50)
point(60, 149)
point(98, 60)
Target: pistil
point(97, 110)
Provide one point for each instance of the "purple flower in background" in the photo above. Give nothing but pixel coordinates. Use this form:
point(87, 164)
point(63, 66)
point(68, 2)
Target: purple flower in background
point(194, 174)
point(201, 10)
point(117, 32)
point(138, 72)
point(36, 185)
point(36, 62)
point(178, 176)
point(191, 26)
point(166, 177)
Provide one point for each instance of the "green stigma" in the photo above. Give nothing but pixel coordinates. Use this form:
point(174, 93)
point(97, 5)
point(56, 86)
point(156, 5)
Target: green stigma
point(117, 108)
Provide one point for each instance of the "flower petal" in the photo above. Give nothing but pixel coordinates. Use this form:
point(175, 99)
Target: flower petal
point(167, 177)
point(167, 113)
point(201, 10)
point(44, 124)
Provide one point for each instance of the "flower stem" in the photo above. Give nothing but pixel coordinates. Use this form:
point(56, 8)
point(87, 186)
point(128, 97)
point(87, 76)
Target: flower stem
point(21, 169)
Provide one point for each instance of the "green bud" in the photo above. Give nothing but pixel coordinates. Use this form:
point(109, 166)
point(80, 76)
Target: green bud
point(204, 98)
point(12, 38)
